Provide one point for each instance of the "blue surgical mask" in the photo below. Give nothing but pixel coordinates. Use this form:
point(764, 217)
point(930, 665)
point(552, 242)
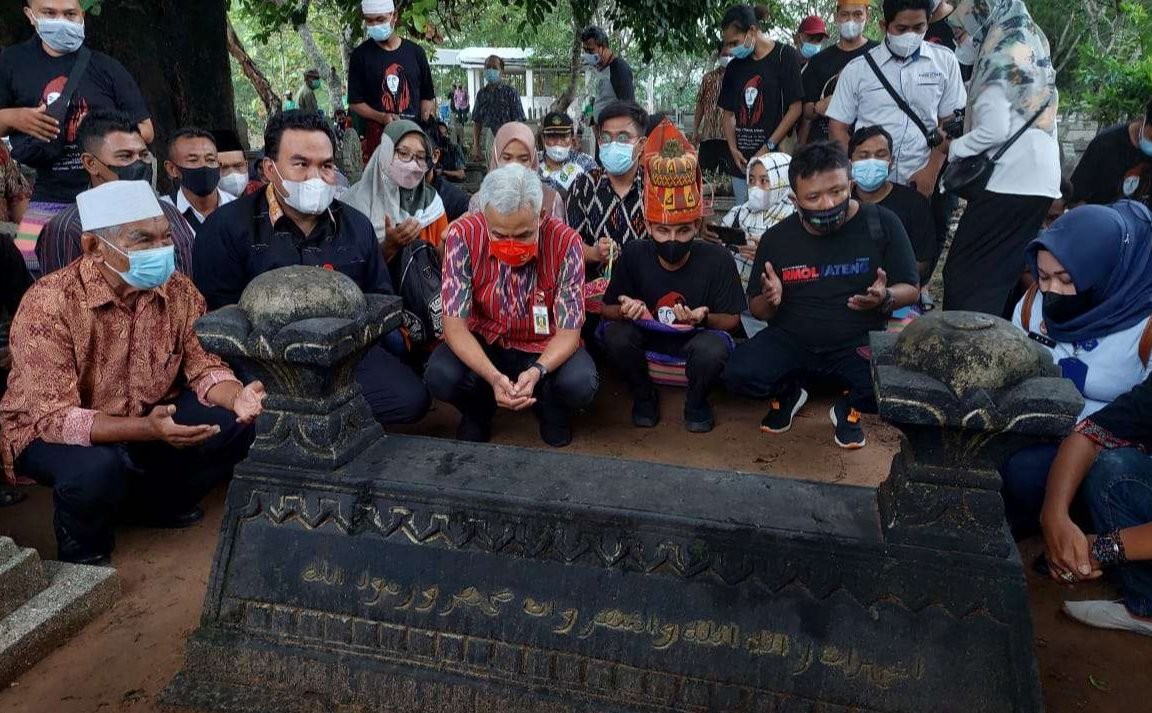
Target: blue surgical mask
point(616, 158)
point(147, 269)
point(63, 36)
point(742, 51)
point(1145, 143)
point(380, 32)
point(870, 174)
point(491, 75)
point(809, 50)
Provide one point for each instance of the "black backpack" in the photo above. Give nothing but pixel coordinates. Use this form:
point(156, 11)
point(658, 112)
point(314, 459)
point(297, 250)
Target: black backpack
point(418, 284)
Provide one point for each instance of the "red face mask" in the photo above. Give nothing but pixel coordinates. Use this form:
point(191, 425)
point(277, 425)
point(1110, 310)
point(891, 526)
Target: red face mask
point(513, 252)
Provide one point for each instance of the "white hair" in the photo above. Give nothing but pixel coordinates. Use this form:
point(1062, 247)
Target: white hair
point(508, 189)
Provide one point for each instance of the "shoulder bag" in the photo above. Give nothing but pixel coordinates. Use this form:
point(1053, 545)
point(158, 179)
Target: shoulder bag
point(968, 177)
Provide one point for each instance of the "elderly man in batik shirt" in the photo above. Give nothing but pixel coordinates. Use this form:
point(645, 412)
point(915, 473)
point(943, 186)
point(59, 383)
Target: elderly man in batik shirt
point(112, 400)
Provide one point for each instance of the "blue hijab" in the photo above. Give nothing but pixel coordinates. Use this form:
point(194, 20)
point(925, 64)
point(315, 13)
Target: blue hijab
point(1106, 250)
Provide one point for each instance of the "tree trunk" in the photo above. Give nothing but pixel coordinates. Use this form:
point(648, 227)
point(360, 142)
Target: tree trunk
point(335, 84)
point(184, 75)
point(14, 27)
point(582, 11)
point(248, 66)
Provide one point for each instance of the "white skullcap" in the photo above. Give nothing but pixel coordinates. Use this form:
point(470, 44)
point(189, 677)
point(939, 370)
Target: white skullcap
point(377, 7)
point(117, 203)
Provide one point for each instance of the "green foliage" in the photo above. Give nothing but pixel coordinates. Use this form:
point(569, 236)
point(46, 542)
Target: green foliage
point(92, 7)
point(1115, 84)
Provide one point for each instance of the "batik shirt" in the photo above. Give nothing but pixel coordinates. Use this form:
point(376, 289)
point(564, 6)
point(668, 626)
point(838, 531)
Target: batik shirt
point(596, 211)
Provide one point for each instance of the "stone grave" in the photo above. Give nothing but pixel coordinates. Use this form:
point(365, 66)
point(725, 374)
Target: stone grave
point(358, 572)
point(43, 604)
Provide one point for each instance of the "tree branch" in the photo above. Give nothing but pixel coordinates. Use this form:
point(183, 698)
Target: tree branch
point(251, 71)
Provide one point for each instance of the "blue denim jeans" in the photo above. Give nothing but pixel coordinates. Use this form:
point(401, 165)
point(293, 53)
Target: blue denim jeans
point(1025, 476)
point(740, 190)
point(1118, 492)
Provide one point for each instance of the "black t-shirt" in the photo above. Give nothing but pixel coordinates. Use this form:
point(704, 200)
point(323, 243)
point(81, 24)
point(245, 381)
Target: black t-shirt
point(709, 279)
point(915, 214)
point(940, 33)
point(759, 92)
point(390, 81)
point(819, 274)
point(29, 77)
point(1112, 168)
point(820, 80)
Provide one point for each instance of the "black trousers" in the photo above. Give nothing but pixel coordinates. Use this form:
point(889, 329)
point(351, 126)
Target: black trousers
point(95, 486)
point(393, 391)
point(987, 255)
point(571, 387)
point(706, 354)
point(773, 363)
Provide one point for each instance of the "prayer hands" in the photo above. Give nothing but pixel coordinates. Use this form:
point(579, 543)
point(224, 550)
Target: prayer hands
point(175, 435)
point(606, 246)
point(695, 317)
point(518, 396)
point(37, 123)
point(770, 286)
point(1069, 552)
point(874, 297)
point(631, 309)
point(249, 402)
point(401, 234)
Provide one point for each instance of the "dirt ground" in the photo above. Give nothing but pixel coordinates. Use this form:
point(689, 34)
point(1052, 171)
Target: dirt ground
point(121, 661)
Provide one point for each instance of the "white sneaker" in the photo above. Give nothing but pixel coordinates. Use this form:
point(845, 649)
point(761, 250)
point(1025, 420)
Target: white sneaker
point(1107, 615)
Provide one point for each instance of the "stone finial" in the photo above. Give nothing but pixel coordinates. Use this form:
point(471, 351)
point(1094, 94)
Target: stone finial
point(967, 390)
point(301, 331)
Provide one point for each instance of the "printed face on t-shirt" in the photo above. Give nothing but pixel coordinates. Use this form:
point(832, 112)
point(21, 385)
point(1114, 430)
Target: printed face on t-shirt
point(397, 98)
point(52, 92)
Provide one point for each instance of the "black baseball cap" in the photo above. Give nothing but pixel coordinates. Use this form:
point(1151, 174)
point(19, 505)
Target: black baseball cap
point(556, 122)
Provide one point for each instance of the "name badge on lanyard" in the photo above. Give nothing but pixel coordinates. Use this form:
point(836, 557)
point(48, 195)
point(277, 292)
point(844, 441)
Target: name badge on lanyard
point(540, 315)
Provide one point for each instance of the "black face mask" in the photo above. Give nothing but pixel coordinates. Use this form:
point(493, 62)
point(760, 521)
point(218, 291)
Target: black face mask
point(1061, 309)
point(826, 222)
point(200, 181)
point(673, 251)
point(135, 171)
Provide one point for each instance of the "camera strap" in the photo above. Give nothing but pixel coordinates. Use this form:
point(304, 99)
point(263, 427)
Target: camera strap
point(903, 105)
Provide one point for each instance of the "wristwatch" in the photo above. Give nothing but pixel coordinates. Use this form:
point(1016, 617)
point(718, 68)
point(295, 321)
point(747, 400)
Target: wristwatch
point(1109, 549)
point(540, 368)
point(889, 301)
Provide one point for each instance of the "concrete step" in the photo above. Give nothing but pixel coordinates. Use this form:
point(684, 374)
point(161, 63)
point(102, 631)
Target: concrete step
point(75, 595)
point(21, 576)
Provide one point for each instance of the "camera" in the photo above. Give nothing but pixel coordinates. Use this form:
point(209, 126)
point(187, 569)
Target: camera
point(952, 129)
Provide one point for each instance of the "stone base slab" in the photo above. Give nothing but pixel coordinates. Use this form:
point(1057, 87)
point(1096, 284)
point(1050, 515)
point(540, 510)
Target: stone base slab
point(75, 595)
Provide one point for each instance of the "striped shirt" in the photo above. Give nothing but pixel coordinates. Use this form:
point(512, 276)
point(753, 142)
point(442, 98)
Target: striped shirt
point(59, 243)
point(497, 299)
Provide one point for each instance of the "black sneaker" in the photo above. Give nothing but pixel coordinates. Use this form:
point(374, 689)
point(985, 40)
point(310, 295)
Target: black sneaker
point(849, 433)
point(784, 409)
point(555, 426)
point(646, 411)
point(474, 430)
point(698, 418)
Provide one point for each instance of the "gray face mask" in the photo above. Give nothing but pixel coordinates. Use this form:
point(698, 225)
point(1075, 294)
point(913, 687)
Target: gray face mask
point(63, 36)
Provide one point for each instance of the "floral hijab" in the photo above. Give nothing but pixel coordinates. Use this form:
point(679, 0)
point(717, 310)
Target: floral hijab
point(1013, 51)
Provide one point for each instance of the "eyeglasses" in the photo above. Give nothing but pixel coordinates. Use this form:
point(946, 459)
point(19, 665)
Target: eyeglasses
point(405, 155)
point(623, 138)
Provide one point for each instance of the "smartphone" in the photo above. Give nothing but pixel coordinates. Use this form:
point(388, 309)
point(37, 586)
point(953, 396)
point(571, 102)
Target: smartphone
point(732, 237)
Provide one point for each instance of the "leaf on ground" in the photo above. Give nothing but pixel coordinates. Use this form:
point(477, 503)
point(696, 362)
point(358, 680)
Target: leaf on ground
point(1099, 684)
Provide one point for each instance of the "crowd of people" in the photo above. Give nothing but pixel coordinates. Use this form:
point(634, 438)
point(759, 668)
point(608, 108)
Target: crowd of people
point(847, 157)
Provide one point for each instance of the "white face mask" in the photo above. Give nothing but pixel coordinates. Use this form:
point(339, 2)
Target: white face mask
point(905, 45)
point(966, 51)
point(757, 199)
point(234, 183)
point(851, 30)
point(312, 197)
point(559, 154)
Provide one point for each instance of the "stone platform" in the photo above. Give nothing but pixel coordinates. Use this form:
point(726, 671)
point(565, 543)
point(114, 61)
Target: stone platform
point(43, 604)
point(367, 573)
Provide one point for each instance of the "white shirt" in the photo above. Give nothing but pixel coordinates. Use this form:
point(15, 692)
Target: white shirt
point(929, 82)
point(1030, 167)
point(184, 206)
point(1113, 362)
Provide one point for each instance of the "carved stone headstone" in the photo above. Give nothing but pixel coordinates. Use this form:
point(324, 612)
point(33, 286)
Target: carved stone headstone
point(426, 575)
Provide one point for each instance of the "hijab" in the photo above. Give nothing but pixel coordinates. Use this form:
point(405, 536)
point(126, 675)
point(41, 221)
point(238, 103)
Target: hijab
point(377, 196)
point(509, 132)
point(780, 204)
point(1107, 250)
point(1012, 51)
